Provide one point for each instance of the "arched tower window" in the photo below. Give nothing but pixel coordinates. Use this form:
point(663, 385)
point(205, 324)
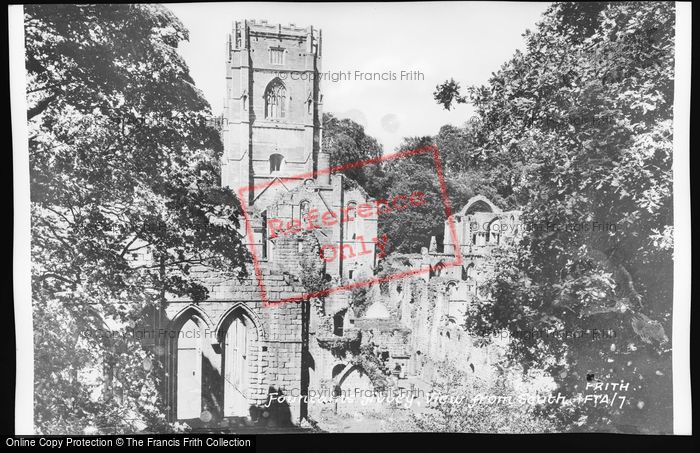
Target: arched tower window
point(276, 161)
point(275, 100)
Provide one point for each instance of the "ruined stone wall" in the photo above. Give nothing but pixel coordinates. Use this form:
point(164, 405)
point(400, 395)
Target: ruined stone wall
point(318, 209)
point(274, 356)
point(327, 349)
point(426, 309)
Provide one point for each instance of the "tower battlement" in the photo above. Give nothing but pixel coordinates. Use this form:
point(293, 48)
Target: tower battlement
point(262, 25)
point(309, 36)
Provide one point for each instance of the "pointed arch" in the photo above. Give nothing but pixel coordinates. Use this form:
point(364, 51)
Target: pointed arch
point(337, 370)
point(185, 362)
point(238, 333)
point(182, 316)
point(347, 371)
point(479, 203)
point(452, 290)
point(275, 99)
point(236, 309)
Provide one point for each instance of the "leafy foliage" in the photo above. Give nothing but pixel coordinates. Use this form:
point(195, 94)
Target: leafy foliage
point(346, 142)
point(410, 229)
point(577, 129)
point(125, 203)
point(465, 409)
point(370, 363)
point(449, 93)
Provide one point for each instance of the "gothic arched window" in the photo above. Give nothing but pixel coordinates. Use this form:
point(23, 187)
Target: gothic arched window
point(275, 100)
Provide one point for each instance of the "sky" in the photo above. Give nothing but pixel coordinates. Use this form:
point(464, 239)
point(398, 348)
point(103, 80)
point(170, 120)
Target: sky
point(434, 42)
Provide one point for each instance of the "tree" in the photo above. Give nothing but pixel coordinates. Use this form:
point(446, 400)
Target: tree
point(448, 93)
point(577, 129)
point(125, 204)
point(409, 230)
point(346, 142)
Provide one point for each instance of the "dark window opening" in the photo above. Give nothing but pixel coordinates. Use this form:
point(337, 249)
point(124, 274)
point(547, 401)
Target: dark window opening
point(264, 235)
point(276, 162)
point(338, 324)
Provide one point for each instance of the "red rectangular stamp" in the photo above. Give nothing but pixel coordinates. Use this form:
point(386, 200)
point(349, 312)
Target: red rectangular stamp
point(344, 243)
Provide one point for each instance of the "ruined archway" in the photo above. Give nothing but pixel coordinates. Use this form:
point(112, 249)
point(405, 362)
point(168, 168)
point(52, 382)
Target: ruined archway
point(238, 335)
point(186, 332)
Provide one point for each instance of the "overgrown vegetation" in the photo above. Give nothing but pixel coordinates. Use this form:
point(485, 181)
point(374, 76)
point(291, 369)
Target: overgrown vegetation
point(372, 365)
point(577, 130)
point(465, 408)
point(125, 202)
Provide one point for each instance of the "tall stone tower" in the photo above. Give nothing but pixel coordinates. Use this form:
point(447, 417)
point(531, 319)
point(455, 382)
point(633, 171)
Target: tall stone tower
point(272, 110)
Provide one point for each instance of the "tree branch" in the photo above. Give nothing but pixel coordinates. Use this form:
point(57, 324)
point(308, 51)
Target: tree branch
point(40, 106)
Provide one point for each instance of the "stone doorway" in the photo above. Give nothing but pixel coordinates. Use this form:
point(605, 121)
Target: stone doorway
point(235, 356)
point(189, 371)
